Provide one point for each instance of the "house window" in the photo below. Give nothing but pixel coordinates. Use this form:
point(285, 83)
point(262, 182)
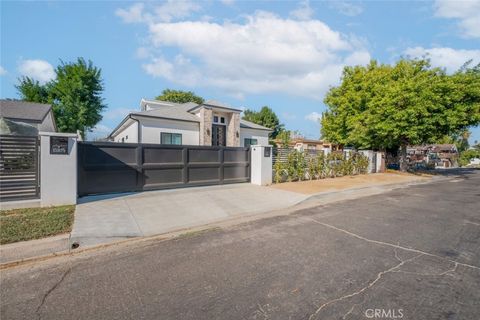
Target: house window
point(170, 138)
point(126, 137)
point(222, 120)
point(123, 139)
point(249, 142)
point(215, 119)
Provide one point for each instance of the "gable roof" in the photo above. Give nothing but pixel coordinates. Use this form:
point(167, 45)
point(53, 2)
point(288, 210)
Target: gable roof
point(212, 104)
point(180, 112)
point(23, 110)
point(177, 112)
point(251, 125)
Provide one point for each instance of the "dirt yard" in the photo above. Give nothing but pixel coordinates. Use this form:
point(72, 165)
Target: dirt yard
point(342, 183)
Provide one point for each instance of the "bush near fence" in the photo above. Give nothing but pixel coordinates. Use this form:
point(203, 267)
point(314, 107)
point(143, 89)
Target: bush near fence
point(294, 165)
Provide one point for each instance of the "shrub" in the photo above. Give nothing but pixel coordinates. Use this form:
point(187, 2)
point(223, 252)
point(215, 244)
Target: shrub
point(300, 166)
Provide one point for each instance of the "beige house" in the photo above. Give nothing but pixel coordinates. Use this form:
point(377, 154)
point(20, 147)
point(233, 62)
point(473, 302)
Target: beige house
point(304, 144)
point(209, 124)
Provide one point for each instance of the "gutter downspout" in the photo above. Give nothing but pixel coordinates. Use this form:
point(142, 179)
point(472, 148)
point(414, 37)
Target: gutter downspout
point(139, 129)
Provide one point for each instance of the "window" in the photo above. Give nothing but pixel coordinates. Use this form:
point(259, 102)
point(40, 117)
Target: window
point(123, 139)
point(170, 138)
point(249, 142)
point(215, 119)
point(126, 137)
point(222, 120)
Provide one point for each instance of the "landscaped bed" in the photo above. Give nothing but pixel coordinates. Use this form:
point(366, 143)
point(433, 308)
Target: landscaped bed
point(34, 223)
point(343, 183)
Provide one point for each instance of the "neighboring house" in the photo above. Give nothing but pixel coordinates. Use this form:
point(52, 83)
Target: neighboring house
point(38, 115)
point(304, 144)
point(209, 124)
point(434, 155)
point(474, 162)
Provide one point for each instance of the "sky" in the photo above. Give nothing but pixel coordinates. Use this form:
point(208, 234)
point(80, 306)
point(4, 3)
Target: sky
point(248, 54)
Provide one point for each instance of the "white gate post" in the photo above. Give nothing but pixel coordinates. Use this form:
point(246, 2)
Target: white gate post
point(58, 168)
point(370, 154)
point(261, 165)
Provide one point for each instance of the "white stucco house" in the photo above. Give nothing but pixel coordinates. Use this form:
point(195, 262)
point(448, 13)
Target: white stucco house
point(209, 124)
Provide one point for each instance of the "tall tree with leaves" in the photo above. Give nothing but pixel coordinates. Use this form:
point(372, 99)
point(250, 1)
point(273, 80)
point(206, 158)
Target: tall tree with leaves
point(179, 96)
point(381, 106)
point(265, 117)
point(31, 90)
point(75, 95)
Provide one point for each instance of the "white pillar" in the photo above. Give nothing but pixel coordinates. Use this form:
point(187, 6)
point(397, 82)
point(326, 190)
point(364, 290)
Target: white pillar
point(261, 165)
point(380, 162)
point(370, 154)
point(58, 169)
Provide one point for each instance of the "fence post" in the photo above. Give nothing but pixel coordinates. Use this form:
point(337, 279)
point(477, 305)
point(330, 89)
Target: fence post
point(58, 168)
point(261, 173)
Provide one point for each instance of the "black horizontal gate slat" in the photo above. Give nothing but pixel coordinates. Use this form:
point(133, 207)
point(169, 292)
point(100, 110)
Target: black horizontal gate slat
point(108, 167)
point(19, 168)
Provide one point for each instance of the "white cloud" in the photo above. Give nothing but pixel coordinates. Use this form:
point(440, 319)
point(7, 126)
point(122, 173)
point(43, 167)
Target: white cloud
point(289, 116)
point(98, 132)
point(117, 113)
point(134, 14)
point(304, 12)
point(39, 70)
point(314, 116)
point(467, 12)
point(448, 58)
point(265, 53)
point(142, 53)
point(166, 12)
point(346, 8)
point(2, 71)
point(227, 2)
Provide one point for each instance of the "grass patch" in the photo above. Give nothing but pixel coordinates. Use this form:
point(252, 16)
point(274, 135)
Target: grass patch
point(34, 223)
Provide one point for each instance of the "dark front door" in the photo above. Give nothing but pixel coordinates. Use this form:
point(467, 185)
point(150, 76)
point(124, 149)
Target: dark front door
point(219, 138)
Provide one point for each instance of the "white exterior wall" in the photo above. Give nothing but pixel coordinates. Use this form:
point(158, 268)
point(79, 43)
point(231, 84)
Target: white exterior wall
point(260, 135)
point(47, 124)
point(151, 129)
point(261, 173)
point(58, 172)
point(131, 131)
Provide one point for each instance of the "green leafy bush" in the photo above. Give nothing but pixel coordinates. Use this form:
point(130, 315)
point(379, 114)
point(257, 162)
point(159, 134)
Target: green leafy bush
point(303, 166)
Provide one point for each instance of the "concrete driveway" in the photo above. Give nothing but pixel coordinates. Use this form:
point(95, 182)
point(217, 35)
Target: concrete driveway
point(101, 219)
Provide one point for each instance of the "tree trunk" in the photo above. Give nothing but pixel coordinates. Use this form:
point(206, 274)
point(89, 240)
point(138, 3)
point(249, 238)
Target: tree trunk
point(403, 156)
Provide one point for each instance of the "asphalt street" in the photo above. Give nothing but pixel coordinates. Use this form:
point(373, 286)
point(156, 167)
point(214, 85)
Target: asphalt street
point(411, 253)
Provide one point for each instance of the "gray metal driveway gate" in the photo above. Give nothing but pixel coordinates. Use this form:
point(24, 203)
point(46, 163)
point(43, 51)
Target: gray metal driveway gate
point(19, 168)
point(106, 167)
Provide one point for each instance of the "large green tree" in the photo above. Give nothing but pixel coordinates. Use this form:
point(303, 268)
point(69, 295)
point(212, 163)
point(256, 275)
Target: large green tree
point(75, 95)
point(383, 106)
point(179, 96)
point(31, 90)
point(265, 117)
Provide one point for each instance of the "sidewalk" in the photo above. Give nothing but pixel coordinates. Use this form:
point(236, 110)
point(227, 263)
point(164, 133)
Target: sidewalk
point(109, 219)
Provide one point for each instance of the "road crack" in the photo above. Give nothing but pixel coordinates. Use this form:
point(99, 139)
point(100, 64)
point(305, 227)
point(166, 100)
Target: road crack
point(445, 273)
point(368, 286)
point(55, 286)
point(392, 245)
